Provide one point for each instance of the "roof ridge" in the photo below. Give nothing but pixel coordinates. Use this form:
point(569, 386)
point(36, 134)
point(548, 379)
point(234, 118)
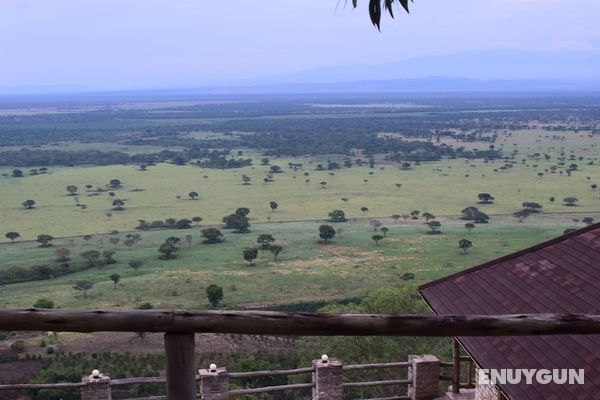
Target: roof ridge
point(519, 253)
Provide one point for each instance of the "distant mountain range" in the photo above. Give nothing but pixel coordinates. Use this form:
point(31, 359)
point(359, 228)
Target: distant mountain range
point(497, 70)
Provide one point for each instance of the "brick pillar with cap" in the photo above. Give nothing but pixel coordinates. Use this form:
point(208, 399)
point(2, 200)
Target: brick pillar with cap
point(95, 387)
point(327, 378)
point(424, 372)
point(214, 383)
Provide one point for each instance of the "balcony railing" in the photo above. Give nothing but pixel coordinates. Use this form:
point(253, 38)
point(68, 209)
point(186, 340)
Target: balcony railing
point(179, 327)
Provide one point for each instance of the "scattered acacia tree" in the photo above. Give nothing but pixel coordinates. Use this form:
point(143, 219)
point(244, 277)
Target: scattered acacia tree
point(588, 220)
point(214, 294)
point(473, 214)
point(45, 240)
point(250, 254)
point(43, 303)
point(197, 220)
point(396, 217)
point(62, 254)
point(364, 209)
point(415, 214)
point(193, 195)
point(28, 204)
point(532, 206)
point(326, 232)
point(72, 189)
point(136, 264)
point(92, 257)
point(521, 215)
point(169, 248)
point(375, 224)
point(17, 173)
point(275, 249)
point(469, 226)
point(377, 239)
point(243, 211)
point(246, 180)
point(116, 278)
point(464, 245)
point(274, 206)
point(118, 205)
point(570, 201)
point(485, 198)
point(265, 240)
point(212, 236)
point(12, 236)
point(337, 216)
point(428, 216)
point(83, 286)
point(238, 222)
point(434, 227)
point(115, 183)
point(385, 231)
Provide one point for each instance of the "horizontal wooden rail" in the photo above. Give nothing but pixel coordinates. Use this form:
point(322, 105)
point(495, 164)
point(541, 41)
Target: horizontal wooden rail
point(360, 367)
point(377, 383)
point(269, 389)
point(258, 374)
point(393, 398)
point(136, 381)
point(301, 324)
point(24, 386)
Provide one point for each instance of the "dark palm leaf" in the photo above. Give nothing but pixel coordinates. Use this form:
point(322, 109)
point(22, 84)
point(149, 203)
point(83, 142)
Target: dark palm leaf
point(375, 9)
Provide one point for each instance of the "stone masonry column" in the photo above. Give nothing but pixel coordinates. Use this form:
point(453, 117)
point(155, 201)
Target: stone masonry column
point(425, 375)
point(95, 387)
point(214, 383)
point(327, 378)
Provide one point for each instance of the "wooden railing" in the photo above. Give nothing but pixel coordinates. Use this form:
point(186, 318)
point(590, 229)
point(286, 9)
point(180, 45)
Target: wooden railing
point(179, 327)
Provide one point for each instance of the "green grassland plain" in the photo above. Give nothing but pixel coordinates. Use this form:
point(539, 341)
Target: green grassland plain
point(307, 270)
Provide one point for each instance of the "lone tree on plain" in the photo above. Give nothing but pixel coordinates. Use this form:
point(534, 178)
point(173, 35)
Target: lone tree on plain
point(197, 220)
point(588, 220)
point(377, 239)
point(193, 195)
point(469, 226)
point(92, 257)
point(115, 183)
point(246, 180)
point(116, 278)
point(428, 216)
point(72, 189)
point(364, 209)
point(326, 232)
point(83, 286)
point(375, 224)
point(532, 206)
point(118, 205)
point(485, 198)
point(337, 216)
point(274, 206)
point(434, 227)
point(522, 214)
point(570, 201)
point(212, 236)
point(265, 240)
point(214, 294)
point(464, 245)
point(275, 249)
point(45, 240)
point(136, 264)
point(250, 254)
point(28, 204)
point(169, 248)
point(415, 214)
point(12, 236)
point(385, 231)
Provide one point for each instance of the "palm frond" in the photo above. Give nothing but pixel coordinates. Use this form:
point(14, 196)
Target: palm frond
point(375, 9)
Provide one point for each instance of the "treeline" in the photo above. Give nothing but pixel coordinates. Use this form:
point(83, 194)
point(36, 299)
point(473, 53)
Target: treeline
point(16, 274)
point(29, 158)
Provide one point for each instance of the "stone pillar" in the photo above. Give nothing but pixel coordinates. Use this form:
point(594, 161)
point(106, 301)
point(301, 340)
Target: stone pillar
point(327, 378)
point(424, 372)
point(214, 384)
point(95, 387)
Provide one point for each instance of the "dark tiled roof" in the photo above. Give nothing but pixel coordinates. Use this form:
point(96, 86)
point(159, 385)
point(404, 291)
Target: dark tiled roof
point(559, 276)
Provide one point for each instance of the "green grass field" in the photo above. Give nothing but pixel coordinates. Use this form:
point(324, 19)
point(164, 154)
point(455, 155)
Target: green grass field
point(307, 270)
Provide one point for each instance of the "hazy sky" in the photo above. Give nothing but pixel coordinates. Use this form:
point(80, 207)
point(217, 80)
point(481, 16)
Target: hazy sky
point(115, 44)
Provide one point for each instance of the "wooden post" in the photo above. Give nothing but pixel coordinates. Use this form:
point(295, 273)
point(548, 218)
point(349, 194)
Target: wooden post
point(456, 369)
point(181, 368)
